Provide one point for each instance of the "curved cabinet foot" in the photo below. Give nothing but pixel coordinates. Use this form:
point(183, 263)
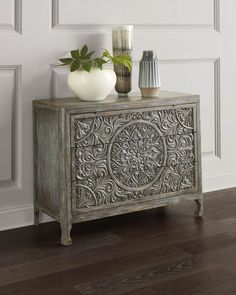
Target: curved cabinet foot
point(199, 207)
point(65, 234)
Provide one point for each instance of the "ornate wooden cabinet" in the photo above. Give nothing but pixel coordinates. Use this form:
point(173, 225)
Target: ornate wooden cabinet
point(94, 160)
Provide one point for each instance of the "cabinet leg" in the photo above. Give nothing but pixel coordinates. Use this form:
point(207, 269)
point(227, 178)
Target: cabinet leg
point(36, 215)
point(65, 234)
point(199, 207)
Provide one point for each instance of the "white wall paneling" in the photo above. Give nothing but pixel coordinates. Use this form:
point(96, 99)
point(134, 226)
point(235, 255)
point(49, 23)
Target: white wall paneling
point(10, 15)
point(158, 14)
point(217, 15)
point(9, 99)
point(59, 83)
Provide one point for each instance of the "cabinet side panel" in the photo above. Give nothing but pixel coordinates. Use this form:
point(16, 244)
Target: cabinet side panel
point(47, 162)
point(198, 120)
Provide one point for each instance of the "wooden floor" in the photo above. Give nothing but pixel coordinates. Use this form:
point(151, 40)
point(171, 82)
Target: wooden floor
point(161, 251)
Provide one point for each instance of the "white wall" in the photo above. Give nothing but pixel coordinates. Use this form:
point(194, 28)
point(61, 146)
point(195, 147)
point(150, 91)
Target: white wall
point(194, 39)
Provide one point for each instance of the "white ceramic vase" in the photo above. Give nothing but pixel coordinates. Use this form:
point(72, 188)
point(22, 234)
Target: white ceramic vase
point(92, 86)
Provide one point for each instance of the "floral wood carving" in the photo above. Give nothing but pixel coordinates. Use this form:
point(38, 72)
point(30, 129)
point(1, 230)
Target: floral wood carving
point(136, 155)
point(132, 156)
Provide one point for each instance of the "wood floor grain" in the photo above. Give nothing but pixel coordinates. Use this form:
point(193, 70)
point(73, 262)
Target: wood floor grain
point(161, 251)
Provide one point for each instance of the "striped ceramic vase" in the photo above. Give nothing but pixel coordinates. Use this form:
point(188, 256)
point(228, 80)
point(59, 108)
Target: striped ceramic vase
point(149, 74)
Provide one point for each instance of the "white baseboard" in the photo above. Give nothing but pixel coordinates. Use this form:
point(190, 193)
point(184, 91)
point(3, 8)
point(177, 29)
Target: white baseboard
point(23, 215)
point(215, 182)
point(19, 216)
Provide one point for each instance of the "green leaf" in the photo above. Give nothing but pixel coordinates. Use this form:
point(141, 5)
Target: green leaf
point(106, 54)
point(100, 61)
point(121, 58)
point(75, 54)
point(65, 61)
point(87, 66)
point(84, 51)
point(99, 66)
point(75, 65)
point(88, 56)
point(124, 60)
point(127, 64)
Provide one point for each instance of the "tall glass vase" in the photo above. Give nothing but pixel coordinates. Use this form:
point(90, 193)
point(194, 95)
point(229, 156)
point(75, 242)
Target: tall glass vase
point(122, 42)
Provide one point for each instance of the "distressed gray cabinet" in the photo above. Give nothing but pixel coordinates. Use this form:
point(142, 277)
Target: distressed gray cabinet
point(98, 159)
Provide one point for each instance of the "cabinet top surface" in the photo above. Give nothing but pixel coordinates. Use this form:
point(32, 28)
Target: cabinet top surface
point(113, 102)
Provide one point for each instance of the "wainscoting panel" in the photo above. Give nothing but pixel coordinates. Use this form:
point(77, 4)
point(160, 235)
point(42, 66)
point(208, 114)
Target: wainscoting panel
point(159, 14)
point(10, 15)
point(9, 93)
point(199, 76)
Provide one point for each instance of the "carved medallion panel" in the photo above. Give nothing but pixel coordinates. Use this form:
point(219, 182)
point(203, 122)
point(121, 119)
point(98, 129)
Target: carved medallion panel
point(136, 155)
point(132, 156)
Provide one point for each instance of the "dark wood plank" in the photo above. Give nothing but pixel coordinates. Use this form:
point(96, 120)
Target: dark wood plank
point(221, 204)
point(218, 281)
point(42, 242)
point(59, 290)
point(220, 255)
point(74, 275)
point(122, 282)
point(151, 252)
point(207, 244)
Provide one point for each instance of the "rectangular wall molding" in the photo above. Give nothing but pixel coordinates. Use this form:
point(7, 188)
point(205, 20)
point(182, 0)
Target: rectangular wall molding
point(213, 25)
point(215, 62)
point(12, 181)
point(217, 108)
point(14, 23)
point(217, 15)
point(217, 100)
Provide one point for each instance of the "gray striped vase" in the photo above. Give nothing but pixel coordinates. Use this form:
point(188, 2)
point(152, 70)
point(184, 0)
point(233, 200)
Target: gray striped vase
point(149, 74)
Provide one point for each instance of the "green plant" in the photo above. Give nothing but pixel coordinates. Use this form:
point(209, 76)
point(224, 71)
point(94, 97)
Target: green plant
point(83, 60)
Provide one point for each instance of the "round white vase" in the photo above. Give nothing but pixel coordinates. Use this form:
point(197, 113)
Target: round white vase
point(92, 86)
